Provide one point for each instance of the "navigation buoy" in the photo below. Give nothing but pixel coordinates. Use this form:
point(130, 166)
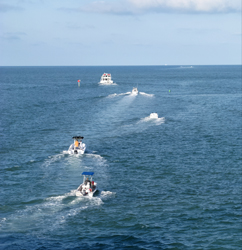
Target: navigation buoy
point(169, 90)
point(79, 82)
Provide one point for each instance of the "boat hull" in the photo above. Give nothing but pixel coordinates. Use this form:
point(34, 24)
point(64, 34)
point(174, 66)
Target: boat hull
point(135, 91)
point(86, 190)
point(154, 115)
point(89, 194)
point(105, 82)
point(76, 151)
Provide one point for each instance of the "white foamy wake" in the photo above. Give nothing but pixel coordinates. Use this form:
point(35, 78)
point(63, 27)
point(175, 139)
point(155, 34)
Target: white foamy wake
point(2, 221)
point(65, 152)
point(100, 160)
point(114, 95)
point(145, 94)
point(99, 165)
point(92, 201)
point(157, 121)
point(62, 210)
point(50, 214)
point(58, 199)
point(116, 111)
point(107, 194)
point(51, 159)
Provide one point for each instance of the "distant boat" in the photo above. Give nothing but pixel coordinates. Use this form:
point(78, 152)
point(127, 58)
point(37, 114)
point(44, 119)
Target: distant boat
point(135, 91)
point(88, 187)
point(154, 115)
point(106, 79)
point(78, 147)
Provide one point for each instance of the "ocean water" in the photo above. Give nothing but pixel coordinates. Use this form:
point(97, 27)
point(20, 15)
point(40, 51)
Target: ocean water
point(168, 183)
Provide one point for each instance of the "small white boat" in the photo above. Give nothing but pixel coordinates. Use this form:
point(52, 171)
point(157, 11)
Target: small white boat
point(88, 187)
point(106, 79)
point(153, 115)
point(78, 147)
point(134, 91)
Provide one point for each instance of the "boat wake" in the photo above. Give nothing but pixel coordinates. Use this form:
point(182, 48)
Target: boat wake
point(51, 159)
point(65, 152)
point(114, 113)
point(145, 94)
point(141, 125)
point(114, 95)
point(99, 160)
point(57, 209)
point(107, 194)
point(130, 94)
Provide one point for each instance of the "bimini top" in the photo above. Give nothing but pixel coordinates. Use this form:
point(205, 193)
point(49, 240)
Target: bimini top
point(88, 173)
point(78, 137)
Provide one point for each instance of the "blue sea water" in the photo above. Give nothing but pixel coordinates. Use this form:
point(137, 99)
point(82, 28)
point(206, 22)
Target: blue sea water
point(167, 183)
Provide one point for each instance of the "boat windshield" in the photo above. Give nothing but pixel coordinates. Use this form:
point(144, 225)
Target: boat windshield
point(87, 176)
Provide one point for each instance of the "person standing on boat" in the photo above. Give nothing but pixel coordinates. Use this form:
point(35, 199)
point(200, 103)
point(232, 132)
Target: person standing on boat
point(80, 144)
point(87, 181)
point(76, 144)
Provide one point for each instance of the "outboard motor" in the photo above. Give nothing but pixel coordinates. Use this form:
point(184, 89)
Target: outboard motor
point(75, 151)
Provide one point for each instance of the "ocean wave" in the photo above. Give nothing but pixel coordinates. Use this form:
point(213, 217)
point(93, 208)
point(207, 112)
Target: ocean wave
point(2, 221)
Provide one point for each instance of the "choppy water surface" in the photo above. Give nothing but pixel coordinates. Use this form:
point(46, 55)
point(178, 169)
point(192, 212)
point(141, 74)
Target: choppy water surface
point(167, 183)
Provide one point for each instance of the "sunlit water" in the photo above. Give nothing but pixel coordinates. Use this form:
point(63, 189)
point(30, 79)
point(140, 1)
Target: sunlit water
point(172, 182)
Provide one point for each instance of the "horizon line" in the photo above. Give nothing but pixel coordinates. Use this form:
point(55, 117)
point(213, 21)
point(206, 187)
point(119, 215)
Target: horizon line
point(133, 65)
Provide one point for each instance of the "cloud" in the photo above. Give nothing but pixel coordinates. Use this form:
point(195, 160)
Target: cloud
point(125, 7)
point(12, 36)
point(7, 8)
point(118, 7)
point(206, 6)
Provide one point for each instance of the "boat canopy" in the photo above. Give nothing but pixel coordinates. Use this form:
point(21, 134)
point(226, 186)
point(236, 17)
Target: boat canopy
point(88, 173)
point(78, 137)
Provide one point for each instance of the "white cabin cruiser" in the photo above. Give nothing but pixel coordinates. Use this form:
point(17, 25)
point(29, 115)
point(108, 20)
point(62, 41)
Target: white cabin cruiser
point(106, 79)
point(134, 91)
point(153, 115)
point(78, 147)
point(88, 187)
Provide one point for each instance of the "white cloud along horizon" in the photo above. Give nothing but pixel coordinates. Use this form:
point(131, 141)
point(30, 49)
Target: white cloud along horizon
point(176, 6)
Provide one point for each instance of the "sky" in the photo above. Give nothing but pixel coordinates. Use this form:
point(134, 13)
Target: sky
point(120, 32)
